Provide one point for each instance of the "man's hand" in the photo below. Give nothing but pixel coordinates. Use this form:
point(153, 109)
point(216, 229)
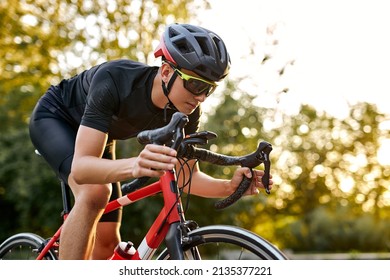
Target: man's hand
point(154, 160)
point(256, 180)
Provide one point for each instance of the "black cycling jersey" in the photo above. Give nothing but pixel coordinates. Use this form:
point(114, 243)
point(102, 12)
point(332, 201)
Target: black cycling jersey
point(113, 97)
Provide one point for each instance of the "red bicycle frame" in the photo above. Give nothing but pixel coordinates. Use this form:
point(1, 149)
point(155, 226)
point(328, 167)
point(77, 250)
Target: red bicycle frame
point(170, 222)
point(170, 214)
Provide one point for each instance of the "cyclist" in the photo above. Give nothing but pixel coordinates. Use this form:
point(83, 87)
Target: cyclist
point(75, 124)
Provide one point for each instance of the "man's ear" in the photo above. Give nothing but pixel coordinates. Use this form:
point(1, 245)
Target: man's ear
point(166, 72)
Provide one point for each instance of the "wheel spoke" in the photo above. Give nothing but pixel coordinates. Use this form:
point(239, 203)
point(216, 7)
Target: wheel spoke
point(231, 243)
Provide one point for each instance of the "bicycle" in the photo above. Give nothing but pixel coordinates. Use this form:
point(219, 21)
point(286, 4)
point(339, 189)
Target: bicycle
point(184, 239)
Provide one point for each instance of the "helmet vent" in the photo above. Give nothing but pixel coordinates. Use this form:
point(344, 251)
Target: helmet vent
point(217, 42)
point(173, 33)
point(183, 46)
point(202, 41)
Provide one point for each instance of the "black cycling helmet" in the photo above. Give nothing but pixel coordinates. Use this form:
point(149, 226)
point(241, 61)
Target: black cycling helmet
point(196, 49)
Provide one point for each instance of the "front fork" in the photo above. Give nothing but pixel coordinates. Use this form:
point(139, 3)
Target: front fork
point(173, 241)
point(173, 238)
point(178, 241)
point(177, 236)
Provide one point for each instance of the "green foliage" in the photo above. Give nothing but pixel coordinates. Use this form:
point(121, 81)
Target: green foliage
point(27, 186)
point(42, 42)
point(327, 158)
point(336, 230)
point(330, 191)
point(320, 165)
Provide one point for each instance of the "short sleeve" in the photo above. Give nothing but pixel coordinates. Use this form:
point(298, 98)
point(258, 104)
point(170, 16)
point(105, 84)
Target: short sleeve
point(102, 101)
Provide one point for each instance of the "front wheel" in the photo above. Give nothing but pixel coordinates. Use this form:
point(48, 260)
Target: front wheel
point(23, 246)
point(227, 243)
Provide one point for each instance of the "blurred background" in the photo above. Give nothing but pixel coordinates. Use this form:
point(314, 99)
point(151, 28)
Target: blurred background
point(310, 77)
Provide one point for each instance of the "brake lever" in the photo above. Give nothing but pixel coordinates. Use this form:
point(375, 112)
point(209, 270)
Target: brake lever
point(266, 176)
point(267, 167)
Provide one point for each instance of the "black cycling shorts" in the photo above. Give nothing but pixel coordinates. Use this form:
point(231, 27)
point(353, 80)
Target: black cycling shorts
point(54, 138)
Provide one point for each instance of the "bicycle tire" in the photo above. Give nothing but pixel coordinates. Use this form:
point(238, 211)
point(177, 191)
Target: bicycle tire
point(223, 242)
point(24, 246)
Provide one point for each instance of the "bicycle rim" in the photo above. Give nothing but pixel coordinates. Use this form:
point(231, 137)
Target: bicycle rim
point(23, 246)
point(229, 243)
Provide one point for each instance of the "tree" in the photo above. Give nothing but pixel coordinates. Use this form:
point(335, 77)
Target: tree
point(42, 42)
point(330, 189)
point(330, 193)
point(333, 164)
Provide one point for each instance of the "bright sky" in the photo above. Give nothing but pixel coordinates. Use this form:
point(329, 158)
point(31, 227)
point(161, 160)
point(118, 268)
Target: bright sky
point(340, 48)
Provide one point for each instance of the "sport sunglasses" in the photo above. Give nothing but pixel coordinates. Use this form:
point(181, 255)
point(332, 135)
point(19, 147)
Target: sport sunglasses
point(195, 85)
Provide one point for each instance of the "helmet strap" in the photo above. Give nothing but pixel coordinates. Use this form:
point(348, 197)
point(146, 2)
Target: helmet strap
point(166, 90)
